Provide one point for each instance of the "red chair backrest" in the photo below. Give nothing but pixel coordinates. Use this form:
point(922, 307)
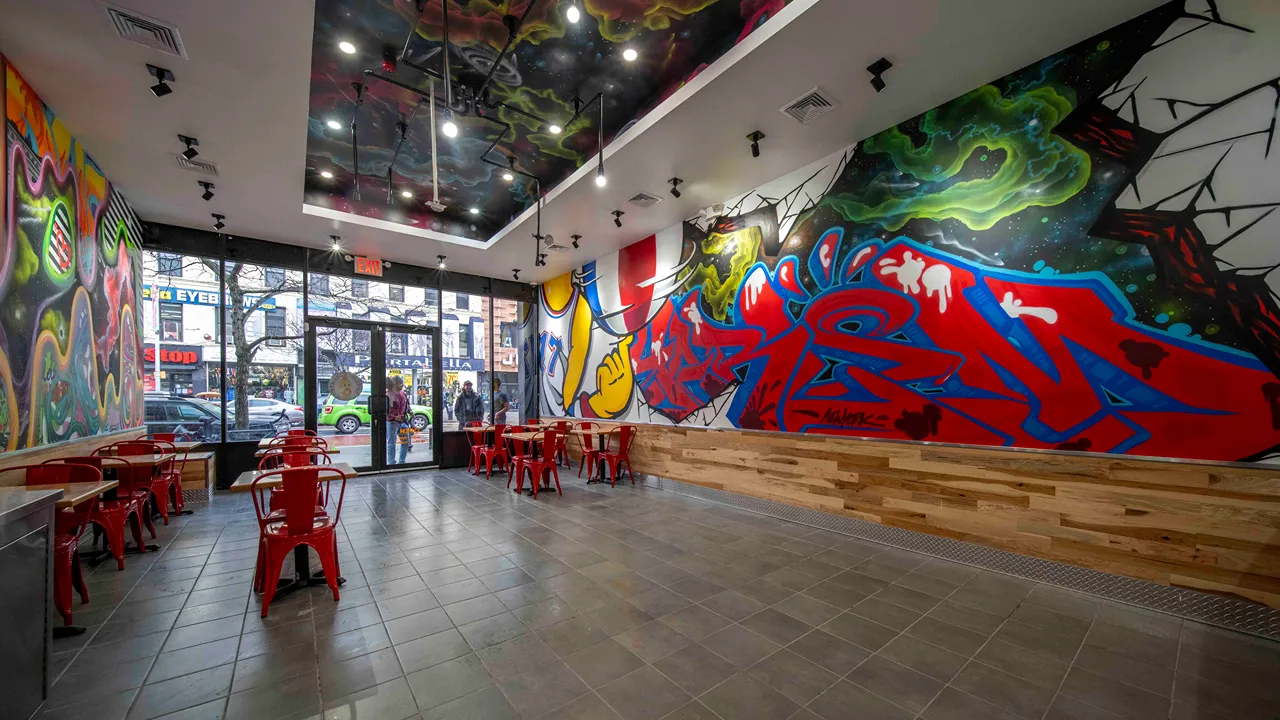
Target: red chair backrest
point(42, 474)
point(474, 438)
point(549, 440)
point(586, 426)
point(301, 488)
point(123, 469)
point(291, 457)
point(625, 434)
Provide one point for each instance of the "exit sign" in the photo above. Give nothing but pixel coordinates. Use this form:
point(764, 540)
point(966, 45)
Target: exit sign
point(368, 266)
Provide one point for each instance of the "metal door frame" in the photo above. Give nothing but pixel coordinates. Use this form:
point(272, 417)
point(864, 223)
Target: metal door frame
point(378, 380)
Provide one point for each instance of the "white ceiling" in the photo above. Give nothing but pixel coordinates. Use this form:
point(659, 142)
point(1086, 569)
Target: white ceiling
point(244, 93)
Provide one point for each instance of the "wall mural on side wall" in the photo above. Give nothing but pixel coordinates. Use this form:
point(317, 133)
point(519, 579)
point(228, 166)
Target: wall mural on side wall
point(1078, 256)
point(70, 346)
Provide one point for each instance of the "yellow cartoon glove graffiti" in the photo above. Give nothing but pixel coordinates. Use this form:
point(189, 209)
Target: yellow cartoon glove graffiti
point(614, 382)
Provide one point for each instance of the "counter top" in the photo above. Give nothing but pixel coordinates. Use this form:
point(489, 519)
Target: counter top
point(17, 503)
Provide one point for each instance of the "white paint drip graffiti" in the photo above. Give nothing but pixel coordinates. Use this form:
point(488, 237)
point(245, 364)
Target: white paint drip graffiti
point(908, 273)
point(754, 284)
point(857, 259)
point(824, 255)
point(937, 278)
point(1015, 309)
point(695, 316)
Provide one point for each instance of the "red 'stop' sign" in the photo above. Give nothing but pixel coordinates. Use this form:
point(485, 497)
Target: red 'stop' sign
point(182, 357)
point(368, 266)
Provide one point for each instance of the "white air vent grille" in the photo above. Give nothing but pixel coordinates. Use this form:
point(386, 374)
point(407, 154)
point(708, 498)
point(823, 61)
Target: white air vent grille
point(809, 106)
point(147, 31)
point(198, 166)
point(644, 199)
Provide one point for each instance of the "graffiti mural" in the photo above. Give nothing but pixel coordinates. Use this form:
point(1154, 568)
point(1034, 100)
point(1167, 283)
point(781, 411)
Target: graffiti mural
point(70, 263)
point(1078, 256)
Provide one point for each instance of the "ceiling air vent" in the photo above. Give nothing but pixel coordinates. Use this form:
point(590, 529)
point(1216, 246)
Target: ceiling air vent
point(147, 31)
point(809, 106)
point(197, 166)
point(644, 199)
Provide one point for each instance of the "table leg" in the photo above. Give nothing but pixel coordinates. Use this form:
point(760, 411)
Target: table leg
point(601, 469)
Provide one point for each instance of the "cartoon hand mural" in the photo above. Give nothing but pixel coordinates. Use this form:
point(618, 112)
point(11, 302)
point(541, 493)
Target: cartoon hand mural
point(614, 383)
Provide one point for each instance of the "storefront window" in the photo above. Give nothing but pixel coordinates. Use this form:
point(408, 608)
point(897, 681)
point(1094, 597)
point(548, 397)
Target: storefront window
point(343, 297)
point(463, 341)
point(180, 331)
point(506, 359)
point(263, 345)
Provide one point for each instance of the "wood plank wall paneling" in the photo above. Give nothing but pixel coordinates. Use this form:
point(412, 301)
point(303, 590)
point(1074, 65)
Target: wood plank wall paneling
point(1214, 528)
point(81, 446)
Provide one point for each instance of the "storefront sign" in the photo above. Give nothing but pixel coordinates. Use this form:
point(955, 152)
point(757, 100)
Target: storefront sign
point(185, 296)
point(407, 362)
point(173, 354)
point(368, 266)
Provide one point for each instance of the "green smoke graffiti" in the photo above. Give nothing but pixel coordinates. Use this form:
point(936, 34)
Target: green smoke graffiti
point(741, 248)
point(1040, 168)
point(543, 103)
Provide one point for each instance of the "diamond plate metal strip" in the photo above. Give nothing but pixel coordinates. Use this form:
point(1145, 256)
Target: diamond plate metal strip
point(198, 496)
point(1190, 604)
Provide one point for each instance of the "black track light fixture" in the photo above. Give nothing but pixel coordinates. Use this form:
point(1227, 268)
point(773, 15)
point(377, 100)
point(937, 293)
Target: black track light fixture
point(217, 222)
point(160, 89)
point(542, 260)
point(336, 243)
point(575, 239)
point(617, 217)
point(755, 137)
point(440, 262)
point(675, 185)
point(208, 190)
point(515, 273)
point(191, 152)
point(878, 68)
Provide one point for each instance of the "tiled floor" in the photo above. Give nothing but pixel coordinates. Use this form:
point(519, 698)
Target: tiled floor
point(464, 600)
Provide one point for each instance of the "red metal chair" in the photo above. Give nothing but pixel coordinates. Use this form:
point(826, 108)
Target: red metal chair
point(590, 453)
point(300, 525)
point(613, 459)
point(165, 481)
point(495, 453)
point(112, 515)
point(562, 433)
point(477, 443)
point(282, 457)
point(538, 467)
point(69, 525)
point(516, 453)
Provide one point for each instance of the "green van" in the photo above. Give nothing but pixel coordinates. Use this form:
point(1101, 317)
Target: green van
point(350, 416)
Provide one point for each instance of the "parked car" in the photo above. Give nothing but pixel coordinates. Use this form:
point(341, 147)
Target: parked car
point(268, 409)
point(201, 419)
point(351, 415)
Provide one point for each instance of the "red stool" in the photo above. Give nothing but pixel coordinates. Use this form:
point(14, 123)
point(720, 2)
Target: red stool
point(539, 467)
point(300, 525)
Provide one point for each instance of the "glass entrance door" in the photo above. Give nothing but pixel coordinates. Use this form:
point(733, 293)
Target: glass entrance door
point(373, 392)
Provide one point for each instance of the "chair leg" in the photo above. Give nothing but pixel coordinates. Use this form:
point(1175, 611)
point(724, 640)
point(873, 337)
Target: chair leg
point(135, 526)
point(556, 475)
point(275, 563)
point(114, 534)
point(146, 520)
point(62, 587)
point(629, 473)
point(77, 578)
point(329, 563)
point(178, 504)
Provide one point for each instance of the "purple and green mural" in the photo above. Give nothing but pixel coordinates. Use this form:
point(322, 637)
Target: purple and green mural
point(70, 269)
point(1080, 255)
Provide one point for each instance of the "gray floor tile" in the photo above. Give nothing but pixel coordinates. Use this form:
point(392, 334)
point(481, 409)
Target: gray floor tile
point(473, 609)
point(833, 653)
point(652, 641)
point(643, 695)
point(739, 646)
point(448, 681)
point(358, 673)
point(492, 630)
point(953, 704)
point(836, 704)
point(886, 613)
point(485, 704)
point(515, 657)
point(732, 605)
point(587, 707)
point(1065, 707)
point(936, 662)
point(194, 659)
point(544, 688)
point(274, 667)
point(1152, 678)
point(660, 601)
point(1061, 646)
point(603, 663)
point(695, 621)
point(389, 701)
point(570, 636)
point(1113, 695)
point(695, 669)
point(860, 631)
point(1026, 664)
point(741, 696)
point(963, 616)
point(897, 683)
point(808, 609)
point(298, 697)
point(1004, 690)
point(424, 652)
point(793, 676)
point(183, 692)
point(412, 627)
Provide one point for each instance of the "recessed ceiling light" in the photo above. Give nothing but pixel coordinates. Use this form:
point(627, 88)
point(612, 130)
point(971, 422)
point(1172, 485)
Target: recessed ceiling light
point(326, 174)
point(572, 14)
point(475, 211)
point(554, 129)
point(450, 128)
point(630, 54)
point(406, 194)
point(334, 125)
point(508, 176)
point(347, 47)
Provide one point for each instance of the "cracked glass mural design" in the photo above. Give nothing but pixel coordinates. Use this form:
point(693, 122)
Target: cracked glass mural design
point(1078, 256)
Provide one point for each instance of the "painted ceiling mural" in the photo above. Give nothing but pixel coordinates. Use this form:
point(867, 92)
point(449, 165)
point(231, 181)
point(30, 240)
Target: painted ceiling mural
point(1081, 255)
point(552, 61)
point(70, 263)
